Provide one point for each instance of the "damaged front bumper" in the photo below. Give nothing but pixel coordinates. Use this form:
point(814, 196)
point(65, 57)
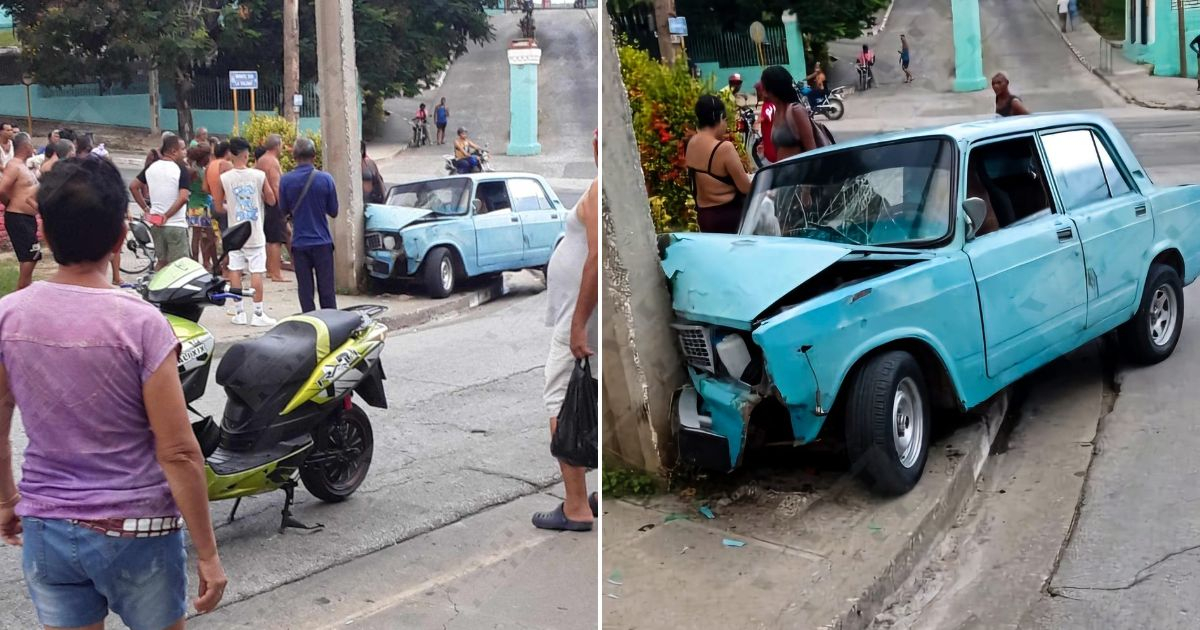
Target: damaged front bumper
point(712, 418)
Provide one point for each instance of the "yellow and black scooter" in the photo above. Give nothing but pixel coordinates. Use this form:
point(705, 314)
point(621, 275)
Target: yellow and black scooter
point(289, 414)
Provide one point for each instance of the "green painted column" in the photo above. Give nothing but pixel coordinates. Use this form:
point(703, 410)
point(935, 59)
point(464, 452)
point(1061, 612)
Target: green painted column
point(795, 46)
point(1166, 39)
point(968, 47)
point(523, 59)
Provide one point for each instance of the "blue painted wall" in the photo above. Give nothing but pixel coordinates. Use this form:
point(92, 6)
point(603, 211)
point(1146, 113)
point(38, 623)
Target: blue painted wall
point(5, 19)
point(1163, 51)
point(127, 110)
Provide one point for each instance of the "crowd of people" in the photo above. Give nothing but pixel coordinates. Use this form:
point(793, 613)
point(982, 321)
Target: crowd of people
point(189, 192)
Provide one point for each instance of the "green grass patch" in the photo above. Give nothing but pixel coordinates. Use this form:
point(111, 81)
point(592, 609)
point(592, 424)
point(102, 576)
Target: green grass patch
point(7, 37)
point(623, 482)
point(10, 270)
point(1106, 16)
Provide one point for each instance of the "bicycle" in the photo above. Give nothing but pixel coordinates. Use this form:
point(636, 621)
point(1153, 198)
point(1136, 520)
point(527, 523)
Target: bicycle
point(138, 243)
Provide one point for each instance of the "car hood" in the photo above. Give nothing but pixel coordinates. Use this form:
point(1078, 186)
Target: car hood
point(731, 279)
point(380, 217)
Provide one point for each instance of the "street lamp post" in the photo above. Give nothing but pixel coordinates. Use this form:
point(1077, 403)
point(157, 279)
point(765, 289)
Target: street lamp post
point(28, 81)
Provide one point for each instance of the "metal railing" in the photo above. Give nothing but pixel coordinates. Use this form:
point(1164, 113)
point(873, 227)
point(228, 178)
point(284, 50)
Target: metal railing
point(735, 50)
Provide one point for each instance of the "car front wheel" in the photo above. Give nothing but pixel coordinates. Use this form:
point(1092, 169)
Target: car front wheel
point(888, 422)
point(1153, 332)
point(440, 273)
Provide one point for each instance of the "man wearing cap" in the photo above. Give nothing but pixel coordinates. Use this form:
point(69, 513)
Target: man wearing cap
point(735, 85)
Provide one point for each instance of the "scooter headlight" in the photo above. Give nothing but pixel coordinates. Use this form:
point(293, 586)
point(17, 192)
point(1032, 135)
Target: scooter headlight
point(389, 242)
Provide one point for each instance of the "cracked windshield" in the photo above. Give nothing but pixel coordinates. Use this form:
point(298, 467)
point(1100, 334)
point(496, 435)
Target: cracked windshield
point(443, 197)
point(881, 195)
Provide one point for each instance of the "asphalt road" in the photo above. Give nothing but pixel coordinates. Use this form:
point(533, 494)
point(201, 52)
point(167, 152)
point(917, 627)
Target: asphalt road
point(465, 431)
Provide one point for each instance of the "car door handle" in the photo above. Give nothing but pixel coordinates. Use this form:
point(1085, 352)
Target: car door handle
point(1065, 234)
point(1139, 210)
point(554, 216)
point(515, 219)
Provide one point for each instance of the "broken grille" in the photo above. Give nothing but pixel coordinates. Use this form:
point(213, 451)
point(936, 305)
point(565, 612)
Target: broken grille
point(696, 345)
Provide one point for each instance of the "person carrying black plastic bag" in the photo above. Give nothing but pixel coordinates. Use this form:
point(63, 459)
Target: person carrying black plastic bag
point(572, 285)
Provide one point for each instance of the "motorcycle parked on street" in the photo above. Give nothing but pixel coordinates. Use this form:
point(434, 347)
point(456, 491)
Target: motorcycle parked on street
point(751, 137)
point(289, 414)
point(454, 167)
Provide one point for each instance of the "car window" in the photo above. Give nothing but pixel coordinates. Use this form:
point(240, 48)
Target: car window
point(1076, 167)
point(445, 196)
point(1007, 175)
point(1117, 184)
point(528, 195)
point(494, 197)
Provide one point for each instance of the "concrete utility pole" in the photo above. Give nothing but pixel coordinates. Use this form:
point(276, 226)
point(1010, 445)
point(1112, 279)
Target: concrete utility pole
point(155, 125)
point(291, 58)
point(662, 10)
point(642, 366)
point(341, 134)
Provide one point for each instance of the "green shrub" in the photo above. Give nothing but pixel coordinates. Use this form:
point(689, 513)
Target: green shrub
point(621, 482)
point(261, 126)
point(662, 101)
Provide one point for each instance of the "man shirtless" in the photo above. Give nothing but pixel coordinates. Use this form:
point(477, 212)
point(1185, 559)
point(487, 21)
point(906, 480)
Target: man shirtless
point(18, 193)
point(274, 222)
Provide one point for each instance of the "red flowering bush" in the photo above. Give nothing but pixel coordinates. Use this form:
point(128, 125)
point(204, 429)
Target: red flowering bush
point(662, 100)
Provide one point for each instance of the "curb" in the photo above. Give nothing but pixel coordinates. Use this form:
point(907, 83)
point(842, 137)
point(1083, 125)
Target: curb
point(1121, 91)
point(940, 518)
point(435, 310)
point(882, 23)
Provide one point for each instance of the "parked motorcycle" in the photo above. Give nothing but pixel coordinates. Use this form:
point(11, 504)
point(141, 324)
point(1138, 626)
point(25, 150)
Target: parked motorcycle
point(485, 163)
point(751, 137)
point(420, 132)
point(289, 413)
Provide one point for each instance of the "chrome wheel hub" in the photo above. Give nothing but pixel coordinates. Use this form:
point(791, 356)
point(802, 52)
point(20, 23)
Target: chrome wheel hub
point(447, 274)
point(908, 422)
point(1164, 310)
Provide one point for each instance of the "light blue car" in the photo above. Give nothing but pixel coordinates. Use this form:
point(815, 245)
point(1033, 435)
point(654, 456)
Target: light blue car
point(880, 281)
point(441, 231)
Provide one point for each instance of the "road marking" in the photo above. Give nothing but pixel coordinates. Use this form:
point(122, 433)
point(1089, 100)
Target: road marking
point(1165, 134)
point(438, 581)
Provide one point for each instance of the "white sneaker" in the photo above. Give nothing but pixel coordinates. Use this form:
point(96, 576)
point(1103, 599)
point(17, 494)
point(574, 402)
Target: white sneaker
point(262, 320)
point(240, 318)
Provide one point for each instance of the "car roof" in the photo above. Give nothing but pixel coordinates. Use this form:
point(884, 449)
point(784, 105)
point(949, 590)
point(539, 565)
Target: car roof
point(475, 177)
point(975, 130)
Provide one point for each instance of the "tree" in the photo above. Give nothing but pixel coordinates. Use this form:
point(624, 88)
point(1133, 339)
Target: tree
point(106, 40)
point(401, 45)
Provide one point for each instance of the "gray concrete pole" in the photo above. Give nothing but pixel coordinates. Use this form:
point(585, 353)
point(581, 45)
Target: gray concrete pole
point(642, 366)
point(291, 58)
point(341, 135)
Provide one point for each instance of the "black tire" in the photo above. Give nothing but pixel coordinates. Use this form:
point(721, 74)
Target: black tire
point(873, 415)
point(1153, 332)
point(835, 110)
point(348, 432)
point(437, 281)
point(137, 260)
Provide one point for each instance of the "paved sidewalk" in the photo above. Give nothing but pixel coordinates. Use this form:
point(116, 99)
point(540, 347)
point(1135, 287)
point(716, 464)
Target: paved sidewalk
point(1131, 81)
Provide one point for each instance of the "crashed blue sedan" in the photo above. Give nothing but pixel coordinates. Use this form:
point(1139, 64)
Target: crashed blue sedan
point(882, 281)
point(444, 230)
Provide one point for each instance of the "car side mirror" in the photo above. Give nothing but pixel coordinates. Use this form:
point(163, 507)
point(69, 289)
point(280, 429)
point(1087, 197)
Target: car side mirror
point(976, 211)
point(478, 206)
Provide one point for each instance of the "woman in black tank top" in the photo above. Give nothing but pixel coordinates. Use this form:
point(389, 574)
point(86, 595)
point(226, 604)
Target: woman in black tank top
point(719, 179)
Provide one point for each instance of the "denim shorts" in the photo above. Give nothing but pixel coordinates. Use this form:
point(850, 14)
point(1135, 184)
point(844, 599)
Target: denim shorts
point(76, 575)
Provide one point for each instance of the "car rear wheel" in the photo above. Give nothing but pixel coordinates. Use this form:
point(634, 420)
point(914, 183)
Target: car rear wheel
point(888, 422)
point(1153, 332)
point(441, 274)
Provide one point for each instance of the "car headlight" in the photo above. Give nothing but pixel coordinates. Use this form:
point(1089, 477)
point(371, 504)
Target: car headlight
point(389, 242)
point(734, 355)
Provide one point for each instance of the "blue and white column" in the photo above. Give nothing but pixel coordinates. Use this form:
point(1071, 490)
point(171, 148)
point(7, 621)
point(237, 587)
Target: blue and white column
point(523, 59)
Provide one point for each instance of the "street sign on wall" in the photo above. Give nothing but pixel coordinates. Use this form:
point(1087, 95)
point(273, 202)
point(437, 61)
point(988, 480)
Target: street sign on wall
point(677, 26)
point(243, 79)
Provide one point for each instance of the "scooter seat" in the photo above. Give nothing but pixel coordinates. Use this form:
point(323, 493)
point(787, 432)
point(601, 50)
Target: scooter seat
point(339, 324)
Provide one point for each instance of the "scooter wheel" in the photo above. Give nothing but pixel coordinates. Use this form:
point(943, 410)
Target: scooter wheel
point(342, 454)
point(835, 110)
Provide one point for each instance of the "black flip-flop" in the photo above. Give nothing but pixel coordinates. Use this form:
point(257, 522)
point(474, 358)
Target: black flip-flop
point(593, 503)
point(556, 519)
